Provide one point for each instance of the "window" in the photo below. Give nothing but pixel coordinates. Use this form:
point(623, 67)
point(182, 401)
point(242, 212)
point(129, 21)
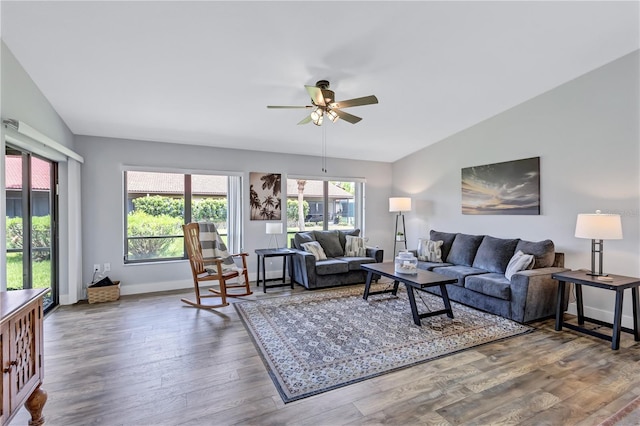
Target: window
point(326, 204)
point(31, 213)
point(157, 204)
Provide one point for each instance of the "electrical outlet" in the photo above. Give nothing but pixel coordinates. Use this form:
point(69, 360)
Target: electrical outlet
point(96, 267)
point(107, 267)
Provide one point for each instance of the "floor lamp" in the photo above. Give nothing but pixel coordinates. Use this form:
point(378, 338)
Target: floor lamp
point(598, 227)
point(399, 205)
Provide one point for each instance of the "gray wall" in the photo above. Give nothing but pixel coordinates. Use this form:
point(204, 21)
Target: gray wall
point(22, 100)
point(102, 199)
point(586, 134)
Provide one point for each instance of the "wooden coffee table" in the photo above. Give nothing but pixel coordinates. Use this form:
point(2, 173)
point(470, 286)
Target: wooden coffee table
point(419, 281)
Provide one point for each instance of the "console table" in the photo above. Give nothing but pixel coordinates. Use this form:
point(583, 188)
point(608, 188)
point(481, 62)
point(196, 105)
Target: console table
point(618, 284)
point(21, 346)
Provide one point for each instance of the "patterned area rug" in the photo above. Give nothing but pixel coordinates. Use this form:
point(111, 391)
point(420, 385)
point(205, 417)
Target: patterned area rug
point(321, 340)
point(629, 415)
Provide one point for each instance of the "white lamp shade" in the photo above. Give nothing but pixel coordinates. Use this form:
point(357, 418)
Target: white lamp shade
point(274, 228)
point(399, 204)
point(599, 226)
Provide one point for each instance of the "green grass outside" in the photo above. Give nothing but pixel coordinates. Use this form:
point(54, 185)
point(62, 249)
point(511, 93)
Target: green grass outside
point(41, 272)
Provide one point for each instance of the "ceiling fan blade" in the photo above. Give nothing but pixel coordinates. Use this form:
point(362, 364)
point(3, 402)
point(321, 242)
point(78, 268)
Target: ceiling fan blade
point(305, 120)
point(346, 116)
point(316, 95)
point(366, 100)
point(289, 106)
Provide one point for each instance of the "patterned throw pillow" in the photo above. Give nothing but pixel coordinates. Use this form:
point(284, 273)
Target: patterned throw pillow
point(354, 247)
point(315, 248)
point(430, 251)
point(519, 262)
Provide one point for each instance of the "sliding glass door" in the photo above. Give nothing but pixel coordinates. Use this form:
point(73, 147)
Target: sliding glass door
point(31, 209)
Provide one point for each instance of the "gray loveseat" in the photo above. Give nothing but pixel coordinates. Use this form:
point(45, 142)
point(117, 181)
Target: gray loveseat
point(337, 269)
point(479, 263)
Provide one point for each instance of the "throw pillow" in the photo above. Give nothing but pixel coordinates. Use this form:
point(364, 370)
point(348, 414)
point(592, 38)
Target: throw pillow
point(315, 248)
point(354, 247)
point(330, 242)
point(519, 262)
point(343, 235)
point(430, 251)
point(302, 237)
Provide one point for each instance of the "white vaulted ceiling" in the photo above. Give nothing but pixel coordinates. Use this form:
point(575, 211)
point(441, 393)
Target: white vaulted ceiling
point(203, 72)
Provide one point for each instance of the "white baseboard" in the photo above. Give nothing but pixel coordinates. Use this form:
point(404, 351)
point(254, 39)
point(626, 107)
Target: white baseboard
point(602, 315)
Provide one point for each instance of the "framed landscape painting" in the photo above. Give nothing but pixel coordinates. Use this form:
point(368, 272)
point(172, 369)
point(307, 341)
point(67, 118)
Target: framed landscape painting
point(510, 188)
point(265, 196)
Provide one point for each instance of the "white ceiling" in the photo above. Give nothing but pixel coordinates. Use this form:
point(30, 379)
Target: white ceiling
point(203, 72)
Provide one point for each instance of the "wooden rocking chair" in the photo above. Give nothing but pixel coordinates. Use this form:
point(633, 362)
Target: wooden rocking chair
point(202, 272)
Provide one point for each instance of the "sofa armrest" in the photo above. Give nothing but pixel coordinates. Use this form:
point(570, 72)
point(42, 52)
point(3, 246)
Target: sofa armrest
point(302, 268)
point(534, 294)
point(376, 253)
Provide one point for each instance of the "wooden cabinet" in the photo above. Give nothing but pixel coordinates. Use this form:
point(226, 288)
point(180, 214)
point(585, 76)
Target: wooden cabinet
point(21, 344)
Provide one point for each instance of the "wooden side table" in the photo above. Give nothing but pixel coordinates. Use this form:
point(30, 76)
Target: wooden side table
point(262, 254)
point(618, 284)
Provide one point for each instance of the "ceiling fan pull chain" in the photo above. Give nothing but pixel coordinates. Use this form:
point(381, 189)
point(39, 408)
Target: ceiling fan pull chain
point(324, 149)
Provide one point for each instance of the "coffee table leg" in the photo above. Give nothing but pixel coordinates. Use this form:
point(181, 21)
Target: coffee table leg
point(367, 285)
point(414, 308)
point(445, 298)
point(579, 303)
point(395, 287)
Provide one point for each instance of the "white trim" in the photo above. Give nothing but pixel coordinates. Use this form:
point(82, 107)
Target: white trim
point(34, 135)
point(329, 178)
point(182, 171)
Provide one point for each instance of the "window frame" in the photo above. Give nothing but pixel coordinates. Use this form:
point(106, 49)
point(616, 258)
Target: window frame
point(359, 197)
point(187, 174)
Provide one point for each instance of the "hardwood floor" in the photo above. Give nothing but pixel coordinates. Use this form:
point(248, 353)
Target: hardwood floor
point(151, 360)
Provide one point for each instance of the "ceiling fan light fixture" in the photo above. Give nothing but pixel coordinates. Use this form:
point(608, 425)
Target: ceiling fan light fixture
point(332, 115)
point(316, 114)
point(318, 121)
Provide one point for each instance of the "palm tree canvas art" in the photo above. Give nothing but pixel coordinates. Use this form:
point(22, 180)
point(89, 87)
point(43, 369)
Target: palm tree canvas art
point(264, 196)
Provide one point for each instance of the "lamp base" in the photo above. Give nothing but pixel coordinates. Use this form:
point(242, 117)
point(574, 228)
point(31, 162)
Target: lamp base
point(595, 274)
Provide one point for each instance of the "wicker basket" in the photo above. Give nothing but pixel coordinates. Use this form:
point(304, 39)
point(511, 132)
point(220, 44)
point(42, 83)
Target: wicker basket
point(109, 293)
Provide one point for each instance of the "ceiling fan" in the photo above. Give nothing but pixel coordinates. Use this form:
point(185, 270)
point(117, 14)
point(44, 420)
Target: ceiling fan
point(323, 104)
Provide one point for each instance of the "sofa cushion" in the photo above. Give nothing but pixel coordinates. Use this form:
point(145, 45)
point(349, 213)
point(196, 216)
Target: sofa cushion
point(302, 237)
point(519, 262)
point(446, 238)
point(494, 254)
point(330, 242)
point(315, 249)
point(343, 235)
point(543, 251)
point(493, 284)
point(459, 272)
point(464, 248)
point(331, 266)
point(355, 262)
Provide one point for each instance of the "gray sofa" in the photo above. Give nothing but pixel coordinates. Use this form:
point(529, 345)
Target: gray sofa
point(337, 269)
point(479, 263)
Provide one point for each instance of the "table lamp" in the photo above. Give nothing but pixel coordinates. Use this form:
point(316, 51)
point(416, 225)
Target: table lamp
point(598, 227)
point(274, 229)
point(399, 205)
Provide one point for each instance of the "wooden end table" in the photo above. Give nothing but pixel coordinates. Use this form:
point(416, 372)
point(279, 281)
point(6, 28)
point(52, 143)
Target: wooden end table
point(618, 284)
point(419, 281)
point(262, 255)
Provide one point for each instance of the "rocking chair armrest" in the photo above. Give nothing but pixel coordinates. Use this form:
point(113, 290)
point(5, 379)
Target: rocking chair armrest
point(239, 254)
